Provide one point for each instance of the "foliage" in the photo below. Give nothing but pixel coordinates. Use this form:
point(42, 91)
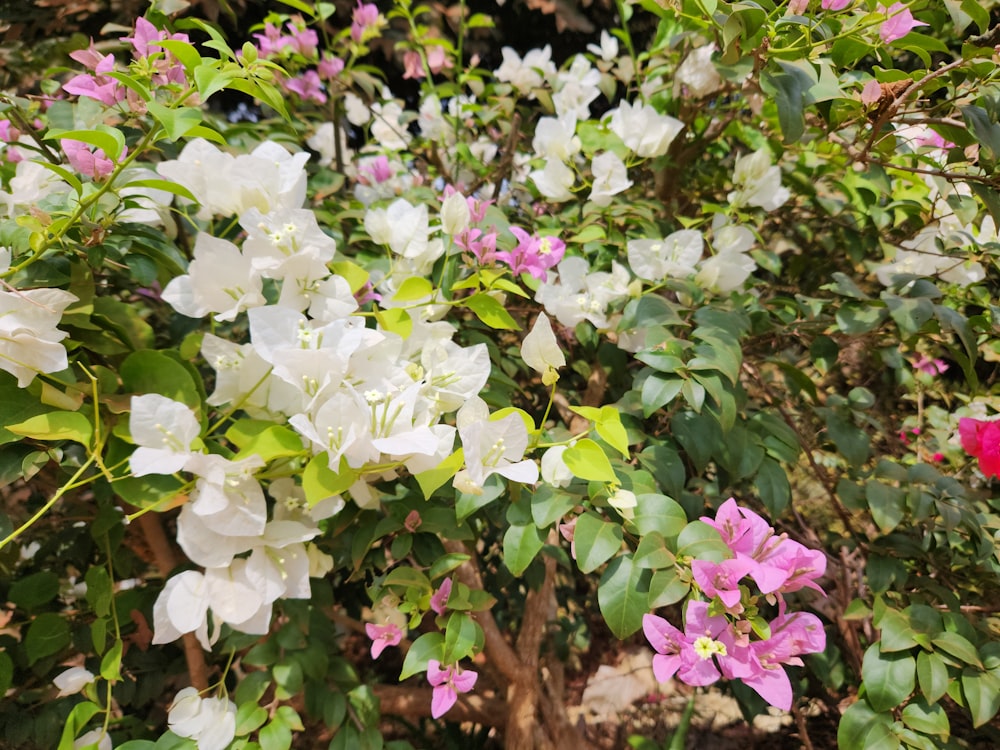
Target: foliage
point(458, 377)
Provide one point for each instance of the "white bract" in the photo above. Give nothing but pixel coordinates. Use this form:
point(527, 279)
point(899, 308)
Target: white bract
point(220, 280)
point(644, 130)
point(165, 431)
point(610, 178)
point(73, 680)
point(541, 352)
point(757, 182)
point(527, 74)
point(675, 256)
point(495, 447)
point(29, 339)
point(210, 722)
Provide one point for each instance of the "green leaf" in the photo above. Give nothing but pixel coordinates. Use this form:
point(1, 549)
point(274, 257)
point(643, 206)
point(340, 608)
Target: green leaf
point(981, 691)
point(887, 504)
point(772, 486)
point(56, 425)
point(659, 514)
point(468, 503)
point(47, 635)
point(612, 431)
point(275, 736)
point(986, 131)
point(167, 185)
point(6, 672)
point(587, 460)
point(406, 577)
point(489, 310)
point(413, 289)
point(264, 439)
point(149, 371)
point(652, 552)
point(667, 587)
point(432, 479)
point(77, 720)
point(920, 716)
point(861, 728)
point(932, 675)
point(889, 679)
point(520, 545)
point(110, 140)
point(596, 541)
point(111, 664)
point(185, 52)
point(622, 595)
point(788, 88)
point(700, 541)
point(958, 646)
point(395, 320)
point(319, 482)
point(34, 590)
point(249, 717)
point(449, 562)
point(896, 634)
point(658, 391)
point(460, 637)
point(426, 647)
point(549, 504)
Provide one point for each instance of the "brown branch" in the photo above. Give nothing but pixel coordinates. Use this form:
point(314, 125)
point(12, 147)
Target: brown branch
point(166, 561)
point(500, 652)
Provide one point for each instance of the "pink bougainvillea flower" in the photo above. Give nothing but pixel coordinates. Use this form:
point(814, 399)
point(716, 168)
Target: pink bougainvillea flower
point(100, 87)
point(413, 65)
point(871, 93)
point(308, 86)
point(413, 521)
point(692, 655)
point(302, 40)
point(365, 17)
point(439, 600)
point(835, 4)
point(448, 683)
point(383, 636)
point(722, 579)
point(329, 67)
point(437, 59)
point(271, 41)
point(929, 366)
point(899, 22)
point(982, 440)
point(94, 164)
point(534, 255)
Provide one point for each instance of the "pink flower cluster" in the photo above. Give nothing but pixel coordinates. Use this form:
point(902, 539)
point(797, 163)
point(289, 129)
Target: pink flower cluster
point(717, 641)
point(482, 246)
point(86, 160)
point(364, 21)
point(303, 41)
point(981, 439)
point(534, 255)
point(437, 61)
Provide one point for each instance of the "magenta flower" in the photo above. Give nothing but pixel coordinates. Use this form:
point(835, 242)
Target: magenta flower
point(271, 41)
point(439, 600)
point(982, 440)
point(925, 364)
point(413, 66)
point(483, 246)
point(365, 17)
point(302, 40)
point(533, 254)
point(437, 59)
point(835, 5)
point(722, 579)
point(308, 86)
point(375, 171)
point(100, 87)
point(94, 164)
point(8, 133)
point(383, 636)
point(448, 683)
point(899, 22)
point(412, 521)
point(329, 67)
point(691, 655)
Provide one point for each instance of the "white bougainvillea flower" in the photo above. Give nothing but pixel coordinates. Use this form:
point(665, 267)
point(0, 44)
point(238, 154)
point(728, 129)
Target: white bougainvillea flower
point(554, 468)
point(274, 239)
point(495, 447)
point(725, 271)
point(541, 352)
point(555, 138)
point(757, 182)
point(227, 496)
point(98, 738)
point(210, 722)
point(554, 180)
point(624, 501)
point(526, 74)
point(578, 294)
point(29, 339)
point(220, 280)
point(608, 50)
point(576, 88)
point(644, 130)
point(405, 228)
point(72, 681)
point(697, 74)
point(165, 431)
point(182, 607)
point(610, 178)
point(455, 214)
point(675, 256)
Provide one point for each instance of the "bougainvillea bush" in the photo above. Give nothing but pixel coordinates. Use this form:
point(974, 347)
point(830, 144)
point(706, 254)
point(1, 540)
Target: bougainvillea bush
point(355, 420)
